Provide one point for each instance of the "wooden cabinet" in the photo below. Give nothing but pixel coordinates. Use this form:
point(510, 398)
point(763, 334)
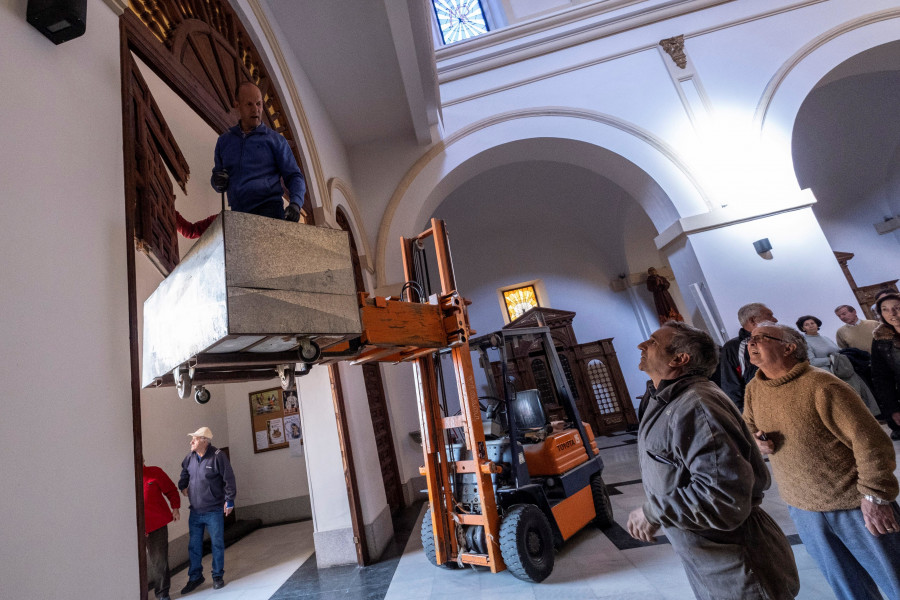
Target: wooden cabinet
point(592, 371)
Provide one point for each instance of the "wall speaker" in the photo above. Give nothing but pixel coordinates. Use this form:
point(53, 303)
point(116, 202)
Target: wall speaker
point(59, 20)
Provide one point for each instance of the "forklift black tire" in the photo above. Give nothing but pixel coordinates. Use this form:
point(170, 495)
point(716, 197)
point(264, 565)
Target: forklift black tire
point(526, 543)
point(602, 504)
point(428, 543)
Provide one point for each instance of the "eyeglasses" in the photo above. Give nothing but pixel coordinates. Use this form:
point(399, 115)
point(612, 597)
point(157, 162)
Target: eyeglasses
point(755, 339)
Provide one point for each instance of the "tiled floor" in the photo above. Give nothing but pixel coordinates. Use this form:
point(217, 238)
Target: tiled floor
point(278, 563)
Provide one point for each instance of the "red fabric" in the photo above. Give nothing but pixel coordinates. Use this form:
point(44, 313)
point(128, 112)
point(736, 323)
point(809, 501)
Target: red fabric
point(158, 487)
point(193, 230)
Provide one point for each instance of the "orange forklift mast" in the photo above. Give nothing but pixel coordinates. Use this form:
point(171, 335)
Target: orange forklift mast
point(395, 331)
point(503, 502)
point(504, 491)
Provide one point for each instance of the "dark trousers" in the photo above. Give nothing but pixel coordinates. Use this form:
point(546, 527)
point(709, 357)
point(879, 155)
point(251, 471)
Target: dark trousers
point(158, 561)
point(271, 209)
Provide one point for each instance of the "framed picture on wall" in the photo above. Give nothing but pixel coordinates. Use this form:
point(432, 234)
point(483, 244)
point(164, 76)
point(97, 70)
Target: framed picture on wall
point(292, 428)
point(291, 403)
point(267, 418)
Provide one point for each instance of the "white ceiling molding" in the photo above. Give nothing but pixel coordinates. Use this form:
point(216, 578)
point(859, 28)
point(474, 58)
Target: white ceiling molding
point(599, 60)
point(550, 34)
point(765, 102)
point(441, 147)
point(418, 70)
point(727, 216)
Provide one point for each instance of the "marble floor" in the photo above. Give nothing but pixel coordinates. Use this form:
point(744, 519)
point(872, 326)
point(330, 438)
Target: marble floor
point(278, 563)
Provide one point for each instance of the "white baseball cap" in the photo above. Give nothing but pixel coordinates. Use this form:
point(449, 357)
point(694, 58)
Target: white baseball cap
point(202, 432)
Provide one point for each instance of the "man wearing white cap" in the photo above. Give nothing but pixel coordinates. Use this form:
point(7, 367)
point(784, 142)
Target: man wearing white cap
point(208, 482)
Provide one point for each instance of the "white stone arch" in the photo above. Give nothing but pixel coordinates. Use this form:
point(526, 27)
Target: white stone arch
point(641, 164)
point(341, 195)
point(780, 103)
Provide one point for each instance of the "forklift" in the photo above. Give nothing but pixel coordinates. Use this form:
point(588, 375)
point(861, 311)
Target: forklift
point(504, 490)
point(546, 476)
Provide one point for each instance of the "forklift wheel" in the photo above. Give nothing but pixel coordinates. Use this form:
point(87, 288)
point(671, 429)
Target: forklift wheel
point(428, 543)
point(526, 543)
point(602, 505)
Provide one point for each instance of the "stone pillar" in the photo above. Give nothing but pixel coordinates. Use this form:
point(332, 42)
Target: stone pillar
point(333, 525)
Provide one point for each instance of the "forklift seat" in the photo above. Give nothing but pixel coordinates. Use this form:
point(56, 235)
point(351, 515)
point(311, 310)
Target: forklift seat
point(529, 411)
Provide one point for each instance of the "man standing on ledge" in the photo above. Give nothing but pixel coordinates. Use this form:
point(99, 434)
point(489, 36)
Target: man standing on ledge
point(208, 481)
point(251, 161)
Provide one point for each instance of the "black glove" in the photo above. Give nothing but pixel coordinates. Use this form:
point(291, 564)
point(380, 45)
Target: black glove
point(292, 212)
point(220, 181)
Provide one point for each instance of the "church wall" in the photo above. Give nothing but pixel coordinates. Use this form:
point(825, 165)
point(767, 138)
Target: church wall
point(801, 277)
point(500, 236)
point(66, 437)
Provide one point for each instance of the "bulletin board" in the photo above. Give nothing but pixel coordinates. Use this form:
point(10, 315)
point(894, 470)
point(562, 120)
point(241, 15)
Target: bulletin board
point(275, 419)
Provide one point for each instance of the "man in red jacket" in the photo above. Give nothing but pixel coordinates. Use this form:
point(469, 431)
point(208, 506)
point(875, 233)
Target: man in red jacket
point(158, 488)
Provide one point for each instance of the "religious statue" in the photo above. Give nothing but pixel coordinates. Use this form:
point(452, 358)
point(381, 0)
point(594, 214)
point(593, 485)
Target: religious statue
point(665, 305)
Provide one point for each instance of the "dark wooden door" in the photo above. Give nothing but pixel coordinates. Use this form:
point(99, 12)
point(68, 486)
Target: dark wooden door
point(381, 422)
point(384, 439)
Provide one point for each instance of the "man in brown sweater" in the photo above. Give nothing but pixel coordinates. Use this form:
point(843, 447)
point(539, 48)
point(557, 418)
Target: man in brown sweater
point(832, 461)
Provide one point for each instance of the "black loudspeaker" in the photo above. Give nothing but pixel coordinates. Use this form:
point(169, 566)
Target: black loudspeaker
point(59, 20)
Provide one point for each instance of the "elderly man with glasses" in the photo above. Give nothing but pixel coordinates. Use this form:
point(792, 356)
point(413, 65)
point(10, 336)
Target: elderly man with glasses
point(833, 462)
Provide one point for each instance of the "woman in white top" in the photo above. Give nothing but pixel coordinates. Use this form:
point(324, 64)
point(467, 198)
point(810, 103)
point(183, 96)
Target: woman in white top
point(819, 347)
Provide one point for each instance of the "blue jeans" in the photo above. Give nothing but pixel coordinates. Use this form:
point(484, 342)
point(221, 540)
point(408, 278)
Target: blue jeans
point(854, 561)
point(214, 522)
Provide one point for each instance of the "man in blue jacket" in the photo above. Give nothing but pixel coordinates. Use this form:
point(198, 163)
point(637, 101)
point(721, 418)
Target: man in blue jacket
point(252, 160)
point(208, 482)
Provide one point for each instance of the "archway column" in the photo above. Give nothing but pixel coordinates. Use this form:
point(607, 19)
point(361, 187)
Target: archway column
point(718, 266)
point(333, 535)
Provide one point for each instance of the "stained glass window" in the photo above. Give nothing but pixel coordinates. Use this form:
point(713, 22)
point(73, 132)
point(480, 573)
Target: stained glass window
point(459, 19)
point(519, 300)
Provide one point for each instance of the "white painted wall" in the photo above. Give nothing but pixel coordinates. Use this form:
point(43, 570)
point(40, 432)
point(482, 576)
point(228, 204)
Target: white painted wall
point(263, 477)
point(554, 222)
point(66, 447)
point(328, 496)
point(803, 276)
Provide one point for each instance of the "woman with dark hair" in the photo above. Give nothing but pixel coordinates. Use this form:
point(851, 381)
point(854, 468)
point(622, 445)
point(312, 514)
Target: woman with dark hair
point(886, 360)
point(818, 347)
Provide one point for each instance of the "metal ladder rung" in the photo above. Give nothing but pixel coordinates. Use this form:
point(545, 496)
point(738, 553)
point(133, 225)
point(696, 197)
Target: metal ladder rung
point(454, 422)
point(470, 558)
point(468, 519)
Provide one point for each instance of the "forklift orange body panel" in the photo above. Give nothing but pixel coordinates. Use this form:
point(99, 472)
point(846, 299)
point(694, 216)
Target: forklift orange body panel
point(559, 452)
point(573, 513)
